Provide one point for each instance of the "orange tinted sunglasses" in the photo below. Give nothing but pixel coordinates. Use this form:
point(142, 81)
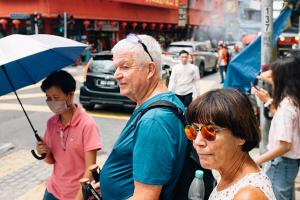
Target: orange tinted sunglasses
point(208, 132)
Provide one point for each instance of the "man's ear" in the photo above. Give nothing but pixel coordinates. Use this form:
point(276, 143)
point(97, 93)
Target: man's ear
point(151, 70)
point(71, 94)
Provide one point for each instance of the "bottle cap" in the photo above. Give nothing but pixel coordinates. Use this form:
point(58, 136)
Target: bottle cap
point(199, 174)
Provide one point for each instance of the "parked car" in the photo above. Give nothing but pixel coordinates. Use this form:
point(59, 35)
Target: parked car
point(100, 87)
point(204, 55)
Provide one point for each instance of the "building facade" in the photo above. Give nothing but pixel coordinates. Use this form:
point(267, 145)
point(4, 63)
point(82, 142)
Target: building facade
point(104, 22)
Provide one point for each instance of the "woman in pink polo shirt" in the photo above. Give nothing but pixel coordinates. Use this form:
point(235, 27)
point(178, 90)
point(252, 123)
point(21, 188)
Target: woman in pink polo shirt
point(71, 140)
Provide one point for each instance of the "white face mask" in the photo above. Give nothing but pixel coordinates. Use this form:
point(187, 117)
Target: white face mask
point(58, 107)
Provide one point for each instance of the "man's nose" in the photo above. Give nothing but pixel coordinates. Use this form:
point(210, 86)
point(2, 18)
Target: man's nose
point(117, 75)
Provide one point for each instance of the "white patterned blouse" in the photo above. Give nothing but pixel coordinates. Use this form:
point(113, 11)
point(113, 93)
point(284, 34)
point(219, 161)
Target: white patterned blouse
point(259, 180)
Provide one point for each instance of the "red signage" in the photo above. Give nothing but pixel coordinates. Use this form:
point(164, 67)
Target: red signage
point(157, 3)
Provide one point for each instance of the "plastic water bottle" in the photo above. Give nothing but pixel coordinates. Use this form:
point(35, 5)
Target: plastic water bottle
point(197, 188)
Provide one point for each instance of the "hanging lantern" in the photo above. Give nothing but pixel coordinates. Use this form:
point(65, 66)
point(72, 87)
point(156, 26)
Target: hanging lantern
point(113, 24)
point(169, 26)
point(161, 26)
point(153, 25)
point(134, 25)
point(3, 22)
point(100, 24)
point(86, 23)
point(144, 25)
point(123, 25)
point(16, 23)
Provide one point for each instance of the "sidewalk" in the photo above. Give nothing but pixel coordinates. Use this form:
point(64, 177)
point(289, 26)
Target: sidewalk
point(22, 177)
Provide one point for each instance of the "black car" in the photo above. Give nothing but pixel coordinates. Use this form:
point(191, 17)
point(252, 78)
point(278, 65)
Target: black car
point(100, 87)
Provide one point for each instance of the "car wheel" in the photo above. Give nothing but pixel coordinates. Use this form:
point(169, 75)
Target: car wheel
point(201, 70)
point(88, 106)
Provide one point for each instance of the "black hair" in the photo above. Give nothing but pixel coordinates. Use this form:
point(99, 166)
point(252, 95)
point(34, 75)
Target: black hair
point(227, 108)
point(61, 79)
point(184, 52)
point(285, 76)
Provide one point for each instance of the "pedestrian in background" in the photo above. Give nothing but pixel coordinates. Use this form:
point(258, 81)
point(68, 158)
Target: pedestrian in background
point(224, 129)
point(71, 140)
point(222, 61)
point(283, 156)
point(147, 159)
point(196, 88)
point(184, 79)
point(228, 58)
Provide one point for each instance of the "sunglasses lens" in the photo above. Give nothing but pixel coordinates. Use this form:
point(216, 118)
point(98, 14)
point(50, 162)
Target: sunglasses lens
point(208, 132)
point(190, 132)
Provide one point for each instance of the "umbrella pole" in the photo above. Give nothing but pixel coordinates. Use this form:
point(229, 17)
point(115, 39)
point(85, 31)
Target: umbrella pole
point(34, 131)
point(12, 86)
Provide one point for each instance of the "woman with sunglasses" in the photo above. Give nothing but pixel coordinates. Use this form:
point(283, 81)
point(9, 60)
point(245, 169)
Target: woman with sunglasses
point(224, 129)
point(283, 156)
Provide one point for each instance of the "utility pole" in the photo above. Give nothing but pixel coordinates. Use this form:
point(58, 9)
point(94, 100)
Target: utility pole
point(266, 57)
point(65, 24)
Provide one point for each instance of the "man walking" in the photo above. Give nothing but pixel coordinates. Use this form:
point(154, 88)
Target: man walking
point(184, 78)
point(147, 159)
point(222, 60)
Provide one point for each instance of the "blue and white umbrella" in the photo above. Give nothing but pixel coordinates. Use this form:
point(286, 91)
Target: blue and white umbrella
point(27, 59)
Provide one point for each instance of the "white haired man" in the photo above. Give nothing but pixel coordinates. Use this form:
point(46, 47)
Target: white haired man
point(146, 160)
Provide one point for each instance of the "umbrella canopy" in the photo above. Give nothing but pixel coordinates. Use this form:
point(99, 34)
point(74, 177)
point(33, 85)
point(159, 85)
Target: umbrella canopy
point(26, 59)
point(248, 39)
point(30, 58)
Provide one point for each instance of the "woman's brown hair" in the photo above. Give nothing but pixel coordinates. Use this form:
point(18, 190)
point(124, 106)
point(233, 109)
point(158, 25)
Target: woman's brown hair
point(227, 108)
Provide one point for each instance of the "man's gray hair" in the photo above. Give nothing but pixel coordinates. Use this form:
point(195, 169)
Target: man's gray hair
point(140, 55)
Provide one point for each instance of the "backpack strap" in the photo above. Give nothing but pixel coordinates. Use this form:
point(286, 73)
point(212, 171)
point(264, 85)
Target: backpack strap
point(162, 104)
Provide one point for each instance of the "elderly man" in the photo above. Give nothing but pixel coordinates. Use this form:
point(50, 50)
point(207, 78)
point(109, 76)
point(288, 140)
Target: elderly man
point(146, 160)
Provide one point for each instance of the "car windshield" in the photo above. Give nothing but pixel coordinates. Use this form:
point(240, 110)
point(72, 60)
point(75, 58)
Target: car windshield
point(103, 66)
point(175, 49)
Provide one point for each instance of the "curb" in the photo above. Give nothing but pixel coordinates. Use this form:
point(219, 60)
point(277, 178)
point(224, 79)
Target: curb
point(4, 147)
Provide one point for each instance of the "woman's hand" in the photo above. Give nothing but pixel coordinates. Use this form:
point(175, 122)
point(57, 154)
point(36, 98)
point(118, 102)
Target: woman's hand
point(262, 94)
point(95, 185)
point(266, 76)
point(42, 148)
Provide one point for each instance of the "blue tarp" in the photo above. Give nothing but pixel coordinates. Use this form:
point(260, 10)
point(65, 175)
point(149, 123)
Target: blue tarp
point(244, 67)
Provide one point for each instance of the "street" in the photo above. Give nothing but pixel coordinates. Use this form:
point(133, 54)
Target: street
point(21, 176)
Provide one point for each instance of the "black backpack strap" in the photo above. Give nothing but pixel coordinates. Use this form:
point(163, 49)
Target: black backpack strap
point(162, 104)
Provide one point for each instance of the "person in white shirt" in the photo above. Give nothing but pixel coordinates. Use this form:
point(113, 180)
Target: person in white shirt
point(184, 79)
point(283, 156)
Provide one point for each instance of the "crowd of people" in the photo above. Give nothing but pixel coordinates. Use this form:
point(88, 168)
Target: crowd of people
point(150, 153)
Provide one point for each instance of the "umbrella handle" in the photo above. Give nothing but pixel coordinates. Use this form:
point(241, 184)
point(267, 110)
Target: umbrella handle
point(38, 138)
point(37, 156)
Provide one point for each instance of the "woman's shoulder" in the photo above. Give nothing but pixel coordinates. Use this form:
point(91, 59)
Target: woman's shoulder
point(287, 106)
point(53, 120)
point(249, 193)
point(253, 185)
